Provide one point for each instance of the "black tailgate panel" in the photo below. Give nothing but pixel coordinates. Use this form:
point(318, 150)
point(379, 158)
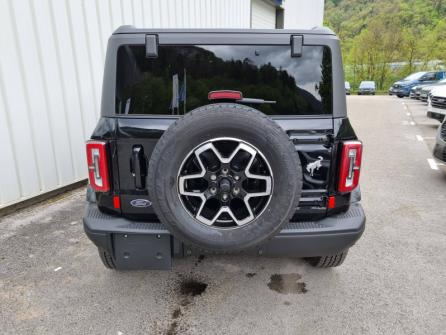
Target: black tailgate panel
point(313, 139)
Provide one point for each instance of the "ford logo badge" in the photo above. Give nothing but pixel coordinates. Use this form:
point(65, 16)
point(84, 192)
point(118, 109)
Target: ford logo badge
point(140, 203)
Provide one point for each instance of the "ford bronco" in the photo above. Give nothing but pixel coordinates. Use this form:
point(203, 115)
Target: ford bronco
point(223, 141)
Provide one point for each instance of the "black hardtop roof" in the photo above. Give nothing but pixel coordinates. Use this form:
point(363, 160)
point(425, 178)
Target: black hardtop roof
point(134, 30)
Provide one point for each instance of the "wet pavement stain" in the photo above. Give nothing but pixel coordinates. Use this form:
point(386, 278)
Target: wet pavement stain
point(287, 283)
point(176, 313)
point(184, 302)
point(172, 329)
point(199, 259)
point(250, 274)
point(192, 287)
point(189, 289)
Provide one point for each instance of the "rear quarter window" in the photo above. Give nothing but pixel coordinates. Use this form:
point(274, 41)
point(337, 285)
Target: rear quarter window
point(180, 78)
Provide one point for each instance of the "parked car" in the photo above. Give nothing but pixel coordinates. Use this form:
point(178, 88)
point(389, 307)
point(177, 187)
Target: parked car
point(425, 90)
point(406, 84)
point(440, 144)
point(402, 88)
point(436, 103)
point(367, 87)
point(177, 171)
point(415, 92)
point(347, 88)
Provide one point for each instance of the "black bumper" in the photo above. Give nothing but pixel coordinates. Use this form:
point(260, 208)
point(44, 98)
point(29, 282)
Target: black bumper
point(145, 245)
point(435, 116)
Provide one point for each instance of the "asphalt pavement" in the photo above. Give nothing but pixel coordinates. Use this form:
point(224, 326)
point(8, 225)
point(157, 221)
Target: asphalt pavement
point(392, 282)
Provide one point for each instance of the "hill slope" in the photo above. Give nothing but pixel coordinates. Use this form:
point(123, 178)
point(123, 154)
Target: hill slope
point(375, 33)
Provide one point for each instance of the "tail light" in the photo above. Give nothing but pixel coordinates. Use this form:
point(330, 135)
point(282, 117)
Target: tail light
point(350, 166)
point(98, 166)
point(225, 94)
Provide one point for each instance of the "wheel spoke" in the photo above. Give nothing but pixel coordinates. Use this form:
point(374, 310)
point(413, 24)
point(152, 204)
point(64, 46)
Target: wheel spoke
point(182, 180)
point(267, 179)
point(211, 146)
point(198, 214)
point(225, 209)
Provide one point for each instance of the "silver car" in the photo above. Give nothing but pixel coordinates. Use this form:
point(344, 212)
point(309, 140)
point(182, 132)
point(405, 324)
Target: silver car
point(367, 87)
point(426, 89)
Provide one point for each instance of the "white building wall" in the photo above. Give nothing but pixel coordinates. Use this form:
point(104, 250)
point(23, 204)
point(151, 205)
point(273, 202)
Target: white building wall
point(303, 14)
point(51, 64)
point(52, 56)
point(263, 15)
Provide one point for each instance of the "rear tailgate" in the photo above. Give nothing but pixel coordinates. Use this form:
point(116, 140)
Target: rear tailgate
point(136, 137)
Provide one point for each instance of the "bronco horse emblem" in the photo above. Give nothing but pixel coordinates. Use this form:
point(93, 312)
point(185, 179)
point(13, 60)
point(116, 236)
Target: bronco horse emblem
point(316, 165)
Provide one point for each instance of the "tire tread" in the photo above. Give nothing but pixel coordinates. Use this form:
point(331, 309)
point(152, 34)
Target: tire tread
point(328, 261)
point(107, 259)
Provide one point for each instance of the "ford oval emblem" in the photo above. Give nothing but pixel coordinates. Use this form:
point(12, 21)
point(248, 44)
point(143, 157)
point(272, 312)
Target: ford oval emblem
point(140, 203)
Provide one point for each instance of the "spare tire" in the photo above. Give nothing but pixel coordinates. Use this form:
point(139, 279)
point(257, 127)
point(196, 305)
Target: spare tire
point(224, 178)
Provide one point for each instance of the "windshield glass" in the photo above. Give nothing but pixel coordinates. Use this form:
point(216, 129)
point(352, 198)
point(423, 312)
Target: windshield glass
point(367, 84)
point(181, 77)
point(414, 76)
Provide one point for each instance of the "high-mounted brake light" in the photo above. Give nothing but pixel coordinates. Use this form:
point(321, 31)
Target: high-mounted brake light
point(350, 166)
point(98, 166)
point(225, 94)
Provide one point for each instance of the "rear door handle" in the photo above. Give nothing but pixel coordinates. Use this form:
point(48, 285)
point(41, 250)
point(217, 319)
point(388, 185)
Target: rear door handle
point(139, 166)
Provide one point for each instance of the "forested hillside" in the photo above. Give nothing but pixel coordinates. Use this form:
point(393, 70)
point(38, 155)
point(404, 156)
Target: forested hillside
point(383, 40)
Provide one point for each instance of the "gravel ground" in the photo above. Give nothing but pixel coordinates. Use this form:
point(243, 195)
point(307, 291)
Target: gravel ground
point(392, 282)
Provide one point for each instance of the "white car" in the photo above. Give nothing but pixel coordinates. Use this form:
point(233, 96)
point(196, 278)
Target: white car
point(347, 88)
point(436, 103)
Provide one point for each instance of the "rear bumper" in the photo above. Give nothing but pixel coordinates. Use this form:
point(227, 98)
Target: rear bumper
point(145, 245)
point(436, 113)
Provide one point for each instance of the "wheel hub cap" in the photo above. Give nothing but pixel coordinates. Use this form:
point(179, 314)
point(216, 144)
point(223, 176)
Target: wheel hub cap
point(225, 185)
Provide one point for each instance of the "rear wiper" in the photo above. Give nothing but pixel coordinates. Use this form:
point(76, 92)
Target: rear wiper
point(255, 101)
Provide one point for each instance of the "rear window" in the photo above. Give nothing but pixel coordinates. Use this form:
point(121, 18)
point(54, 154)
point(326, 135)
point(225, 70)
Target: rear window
point(367, 84)
point(415, 76)
point(180, 78)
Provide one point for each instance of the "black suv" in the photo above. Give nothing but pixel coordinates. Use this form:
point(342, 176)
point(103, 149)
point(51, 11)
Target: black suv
point(223, 141)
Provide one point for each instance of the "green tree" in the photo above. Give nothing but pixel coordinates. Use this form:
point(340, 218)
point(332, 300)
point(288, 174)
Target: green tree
point(377, 33)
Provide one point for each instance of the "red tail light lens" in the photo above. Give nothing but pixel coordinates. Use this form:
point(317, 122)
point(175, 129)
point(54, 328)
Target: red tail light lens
point(350, 166)
point(225, 94)
point(331, 202)
point(98, 166)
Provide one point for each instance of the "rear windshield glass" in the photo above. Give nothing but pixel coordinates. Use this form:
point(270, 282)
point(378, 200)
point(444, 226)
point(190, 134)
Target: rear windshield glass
point(367, 84)
point(415, 76)
point(181, 77)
